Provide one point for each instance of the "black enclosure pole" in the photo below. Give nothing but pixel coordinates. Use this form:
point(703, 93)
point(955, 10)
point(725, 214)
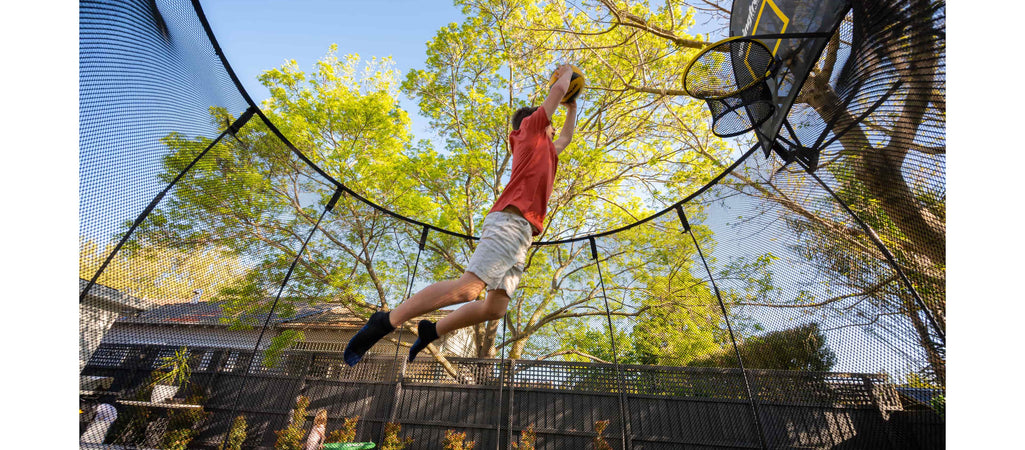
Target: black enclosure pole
point(398, 341)
point(623, 410)
point(733, 339)
point(245, 378)
point(233, 128)
point(409, 286)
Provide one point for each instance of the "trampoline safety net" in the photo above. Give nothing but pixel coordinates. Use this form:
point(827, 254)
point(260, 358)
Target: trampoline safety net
point(783, 289)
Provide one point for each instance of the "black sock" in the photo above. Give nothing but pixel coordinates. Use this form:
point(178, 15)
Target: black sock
point(376, 328)
point(428, 332)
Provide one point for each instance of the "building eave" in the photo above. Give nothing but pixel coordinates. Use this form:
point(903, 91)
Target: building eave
point(112, 299)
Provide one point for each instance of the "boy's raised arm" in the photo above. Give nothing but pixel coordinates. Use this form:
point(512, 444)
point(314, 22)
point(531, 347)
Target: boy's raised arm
point(558, 90)
point(566, 135)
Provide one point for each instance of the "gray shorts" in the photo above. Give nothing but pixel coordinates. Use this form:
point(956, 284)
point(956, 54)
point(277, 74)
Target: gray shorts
point(502, 251)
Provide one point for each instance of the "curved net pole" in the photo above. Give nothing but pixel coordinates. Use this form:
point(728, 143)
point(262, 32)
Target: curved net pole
point(623, 411)
point(398, 340)
point(733, 339)
point(299, 154)
point(233, 128)
point(882, 248)
point(409, 289)
point(238, 394)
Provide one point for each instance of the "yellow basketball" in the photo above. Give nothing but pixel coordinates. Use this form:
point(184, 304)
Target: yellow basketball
point(576, 84)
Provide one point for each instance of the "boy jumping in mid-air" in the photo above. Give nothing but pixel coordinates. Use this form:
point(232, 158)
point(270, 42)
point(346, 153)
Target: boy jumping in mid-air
point(507, 234)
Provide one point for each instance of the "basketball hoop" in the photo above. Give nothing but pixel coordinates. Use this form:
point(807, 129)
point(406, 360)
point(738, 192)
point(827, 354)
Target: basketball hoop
point(727, 68)
point(730, 75)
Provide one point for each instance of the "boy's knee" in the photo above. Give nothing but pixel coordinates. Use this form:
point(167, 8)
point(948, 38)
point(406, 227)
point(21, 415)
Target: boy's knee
point(468, 294)
point(492, 312)
point(495, 305)
point(470, 287)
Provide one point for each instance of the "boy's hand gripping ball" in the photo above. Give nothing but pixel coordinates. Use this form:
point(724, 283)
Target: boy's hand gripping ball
point(576, 84)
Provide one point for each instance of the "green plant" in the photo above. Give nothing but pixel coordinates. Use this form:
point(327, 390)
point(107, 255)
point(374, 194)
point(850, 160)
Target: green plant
point(347, 433)
point(291, 437)
point(181, 425)
point(599, 441)
point(174, 370)
point(391, 437)
point(939, 404)
point(457, 441)
point(177, 439)
point(130, 426)
point(237, 434)
point(528, 439)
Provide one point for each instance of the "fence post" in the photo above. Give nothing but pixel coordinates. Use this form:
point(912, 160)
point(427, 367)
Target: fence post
point(512, 390)
point(395, 400)
point(883, 415)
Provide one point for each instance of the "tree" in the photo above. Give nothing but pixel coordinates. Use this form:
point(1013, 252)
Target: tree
point(676, 316)
point(801, 348)
point(888, 167)
point(627, 158)
point(255, 198)
point(161, 273)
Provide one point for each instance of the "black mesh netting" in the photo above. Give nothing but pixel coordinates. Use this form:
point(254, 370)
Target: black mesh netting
point(797, 301)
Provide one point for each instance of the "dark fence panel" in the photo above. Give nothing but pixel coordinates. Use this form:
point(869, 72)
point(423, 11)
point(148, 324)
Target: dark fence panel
point(434, 408)
point(659, 422)
point(566, 419)
point(801, 410)
point(920, 429)
point(798, 426)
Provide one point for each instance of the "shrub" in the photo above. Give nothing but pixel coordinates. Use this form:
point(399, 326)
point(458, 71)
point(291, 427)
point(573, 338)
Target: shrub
point(528, 439)
point(130, 426)
point(599, 441)
point(237, 434)
point(291, 437)
point(347, 433)
point(457, 441)
point(939, 404)
point(391, 438)
point(181, 425)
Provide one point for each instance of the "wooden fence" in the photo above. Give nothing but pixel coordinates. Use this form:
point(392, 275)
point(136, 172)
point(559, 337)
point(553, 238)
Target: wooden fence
point(665, 407)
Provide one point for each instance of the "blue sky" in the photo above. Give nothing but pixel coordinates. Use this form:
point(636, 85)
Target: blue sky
point(258, 35)
point(255, 36)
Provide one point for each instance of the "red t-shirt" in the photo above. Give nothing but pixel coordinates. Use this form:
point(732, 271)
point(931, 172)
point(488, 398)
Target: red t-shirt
point(533, 170)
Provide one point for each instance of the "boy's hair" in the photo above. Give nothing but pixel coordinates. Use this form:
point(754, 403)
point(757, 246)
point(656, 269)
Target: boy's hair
point(521, 114)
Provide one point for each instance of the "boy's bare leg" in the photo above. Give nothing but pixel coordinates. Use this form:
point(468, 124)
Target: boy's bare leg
point(437, 296)
point(492, 308)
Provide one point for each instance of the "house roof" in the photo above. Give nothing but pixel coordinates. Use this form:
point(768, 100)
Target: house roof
point(921, 395)
point(205, 313)
point(110, 298)
point(211, 314)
